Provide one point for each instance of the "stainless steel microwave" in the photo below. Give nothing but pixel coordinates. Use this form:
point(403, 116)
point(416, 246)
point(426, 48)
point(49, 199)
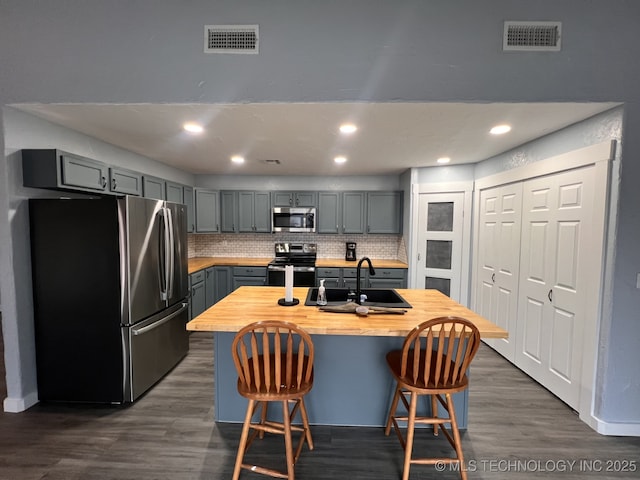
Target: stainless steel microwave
point(293, 219)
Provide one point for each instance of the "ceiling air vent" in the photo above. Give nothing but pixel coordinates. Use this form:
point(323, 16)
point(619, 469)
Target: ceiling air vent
point(532, 36)
point(231, 39)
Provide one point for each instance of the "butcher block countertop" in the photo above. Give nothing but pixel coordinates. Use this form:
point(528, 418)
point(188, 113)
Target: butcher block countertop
point(199, 263)
point(249, 304)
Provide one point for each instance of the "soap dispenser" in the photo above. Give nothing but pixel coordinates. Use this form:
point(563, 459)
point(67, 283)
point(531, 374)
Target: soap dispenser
point(322, 294)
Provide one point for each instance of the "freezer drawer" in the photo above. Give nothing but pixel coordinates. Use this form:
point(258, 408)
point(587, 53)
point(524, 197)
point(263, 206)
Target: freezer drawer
point(156, 346)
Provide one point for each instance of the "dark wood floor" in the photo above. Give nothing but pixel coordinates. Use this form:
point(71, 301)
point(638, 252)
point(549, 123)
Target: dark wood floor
point(516, 430)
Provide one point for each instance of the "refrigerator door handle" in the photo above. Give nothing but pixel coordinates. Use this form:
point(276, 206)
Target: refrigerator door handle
point(164, 293)
point(171, 247)
point(147, 328)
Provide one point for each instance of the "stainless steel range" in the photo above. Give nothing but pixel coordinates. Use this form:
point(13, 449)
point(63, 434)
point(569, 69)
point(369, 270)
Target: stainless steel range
point(303, 258)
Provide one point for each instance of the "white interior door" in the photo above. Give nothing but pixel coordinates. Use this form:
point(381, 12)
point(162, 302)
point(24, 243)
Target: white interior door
point(440, 241)
point(556, 224)
point(498, 262)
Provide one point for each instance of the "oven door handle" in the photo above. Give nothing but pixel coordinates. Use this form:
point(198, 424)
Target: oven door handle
point(278, 268)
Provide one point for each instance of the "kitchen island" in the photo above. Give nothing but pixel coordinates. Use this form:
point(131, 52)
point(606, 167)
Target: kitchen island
point(352, 384)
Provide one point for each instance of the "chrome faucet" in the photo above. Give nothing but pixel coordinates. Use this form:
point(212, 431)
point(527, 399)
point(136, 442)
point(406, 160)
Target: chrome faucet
point(358, 268)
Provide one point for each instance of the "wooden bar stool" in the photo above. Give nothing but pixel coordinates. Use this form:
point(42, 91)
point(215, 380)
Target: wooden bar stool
point(433, 361)
point(274, 361)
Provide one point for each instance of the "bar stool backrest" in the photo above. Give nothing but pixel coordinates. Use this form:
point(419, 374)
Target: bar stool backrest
point(273, 357)
point(437, 353)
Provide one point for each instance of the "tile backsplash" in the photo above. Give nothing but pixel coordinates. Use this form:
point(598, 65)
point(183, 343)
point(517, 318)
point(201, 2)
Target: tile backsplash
point(262, 245)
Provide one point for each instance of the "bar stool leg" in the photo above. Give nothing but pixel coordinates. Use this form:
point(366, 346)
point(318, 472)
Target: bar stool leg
point(243, 440)
point(456, 436)
point(392, 410)
point(411, 424)
point(287, 440)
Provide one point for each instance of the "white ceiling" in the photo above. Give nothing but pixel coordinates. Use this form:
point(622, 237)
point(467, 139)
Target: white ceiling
point(304, 137)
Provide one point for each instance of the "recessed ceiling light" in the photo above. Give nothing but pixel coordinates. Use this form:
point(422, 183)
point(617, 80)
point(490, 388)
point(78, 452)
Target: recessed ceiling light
point(193, 127)
point(348, 128)
point(500, 129)
point(443, 160)
point(237, 159)
point(340, 159)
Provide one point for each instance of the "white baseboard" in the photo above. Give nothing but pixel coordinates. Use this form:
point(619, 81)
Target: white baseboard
point(17, 405)
point(614, 429)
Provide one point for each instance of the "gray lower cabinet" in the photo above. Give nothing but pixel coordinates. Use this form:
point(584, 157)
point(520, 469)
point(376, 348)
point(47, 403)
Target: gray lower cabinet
point(332, 276)
point(210, 287)
point(336, 277)
point(154, 187)
point(249, 276)
point(55, 169)
point(207, 211)
point(124, 181)
point(197, 303)
point(388, 278)
point(223, 281)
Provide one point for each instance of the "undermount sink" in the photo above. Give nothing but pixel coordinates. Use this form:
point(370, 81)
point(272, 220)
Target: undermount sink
point(376, 297)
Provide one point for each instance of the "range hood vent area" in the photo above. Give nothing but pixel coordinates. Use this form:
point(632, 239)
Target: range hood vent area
point(531, 36)
point(231, 39)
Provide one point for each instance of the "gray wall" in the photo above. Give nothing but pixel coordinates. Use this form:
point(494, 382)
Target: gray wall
point(360, 50)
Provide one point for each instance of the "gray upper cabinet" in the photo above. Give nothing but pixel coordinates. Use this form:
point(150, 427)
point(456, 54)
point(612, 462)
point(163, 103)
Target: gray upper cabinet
point(229, 211)
point(254, 211)
point(125, 181)
point(154, 187)
point(207, 211)
point(384, 212)
point(353, 209)
point(191, 214)
point(178, 193)
point(174, 192)
point(51, 168)
point(329, 212)
point(294, 199)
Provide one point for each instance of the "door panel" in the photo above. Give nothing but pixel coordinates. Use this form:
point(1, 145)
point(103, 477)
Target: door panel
point(556, 216)
point(499, 261)
point(440, 230)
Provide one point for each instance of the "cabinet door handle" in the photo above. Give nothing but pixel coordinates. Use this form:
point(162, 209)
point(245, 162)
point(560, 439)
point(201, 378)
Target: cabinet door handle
point(104, 182)
point(550, 295)
point(493, 278)
point(114, 185)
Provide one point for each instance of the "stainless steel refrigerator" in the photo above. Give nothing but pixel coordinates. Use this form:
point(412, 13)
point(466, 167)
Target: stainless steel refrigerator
point(110, 285)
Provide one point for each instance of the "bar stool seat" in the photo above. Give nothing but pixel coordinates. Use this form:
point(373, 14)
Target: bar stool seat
point(433, 361)
point(274, 361)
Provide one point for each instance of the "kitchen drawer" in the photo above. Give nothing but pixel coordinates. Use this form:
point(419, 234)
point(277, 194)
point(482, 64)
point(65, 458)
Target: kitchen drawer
point(390, 273)
point(353, 272)
point(197, 277)
point(327, 272)
point(249, 271)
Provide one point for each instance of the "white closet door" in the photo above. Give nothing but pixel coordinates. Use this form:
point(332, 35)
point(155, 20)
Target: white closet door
point(556, 222)
point(498, 262)
point(440, 239)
